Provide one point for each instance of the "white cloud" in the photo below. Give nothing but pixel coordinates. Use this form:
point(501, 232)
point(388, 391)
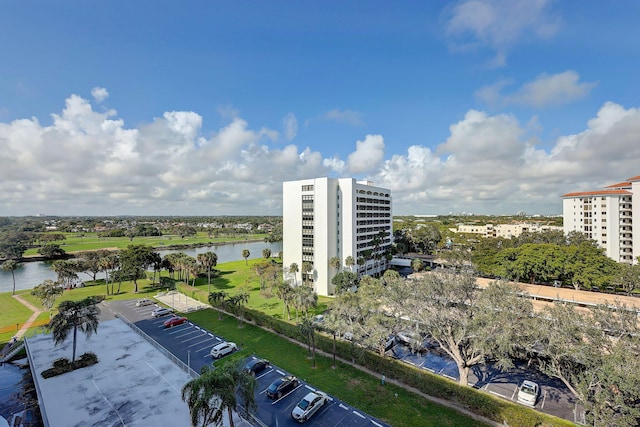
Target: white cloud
point(290, 125)
point(99, 94)
point(487, 165)
point(90, 163)
point(353, 118)
point(498, 24)
point(368, 155)
point(544, 90)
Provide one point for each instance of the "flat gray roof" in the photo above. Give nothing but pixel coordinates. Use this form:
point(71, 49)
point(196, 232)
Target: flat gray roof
point(133, 383)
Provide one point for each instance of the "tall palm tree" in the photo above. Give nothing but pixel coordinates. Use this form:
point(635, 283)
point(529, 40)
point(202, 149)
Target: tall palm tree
point(217, 391)
point(285, 292)
point(246, 254)
point(308, 330)
point(293, 269)
point(266, 253)
point(208, 260)
point(11, 265)
point(334, 262)
point(109, 263)
point(307, 268)
point(74, 315)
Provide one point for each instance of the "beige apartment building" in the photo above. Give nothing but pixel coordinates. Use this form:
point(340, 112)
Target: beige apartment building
point(325, 218)
point(608, 217)
point(505, 230)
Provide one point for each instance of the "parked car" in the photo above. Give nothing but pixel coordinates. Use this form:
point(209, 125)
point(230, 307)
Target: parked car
point(174, 321)
point(222, 349)
point(528, 393)
point(144, 301)
point(309, 405)
point(282, 386)
point(161, 311)
point(254, 366)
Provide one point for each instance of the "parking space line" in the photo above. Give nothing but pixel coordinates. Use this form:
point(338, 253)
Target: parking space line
point(513, 396)
point(375, 423)
point(207, 348)
point(309, 387)
point(271, 370)
point(497, 394)
point(544, 398)
point(197, 337)
point(199, 342)
point(449, 376)
point(280, 372)
point(343, 407)
point(359, 414)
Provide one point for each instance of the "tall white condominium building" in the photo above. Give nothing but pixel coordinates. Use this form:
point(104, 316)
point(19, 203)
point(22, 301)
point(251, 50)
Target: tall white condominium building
point(608, 217)
point(325, 218)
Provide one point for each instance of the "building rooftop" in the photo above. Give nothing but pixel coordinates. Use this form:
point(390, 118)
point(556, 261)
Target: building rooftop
point(133, 383)
point(598, 193)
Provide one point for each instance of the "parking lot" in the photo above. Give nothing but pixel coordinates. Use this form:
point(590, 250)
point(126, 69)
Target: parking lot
point(192, 344)
point(555, 398)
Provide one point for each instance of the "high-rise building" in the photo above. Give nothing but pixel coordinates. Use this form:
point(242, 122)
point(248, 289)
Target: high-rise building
point(325, 218)
point(608, 217)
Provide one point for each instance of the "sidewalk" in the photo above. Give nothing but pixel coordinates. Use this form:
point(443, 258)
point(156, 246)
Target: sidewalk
point(29, 322)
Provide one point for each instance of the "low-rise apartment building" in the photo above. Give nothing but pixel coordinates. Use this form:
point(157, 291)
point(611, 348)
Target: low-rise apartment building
point(505, 230)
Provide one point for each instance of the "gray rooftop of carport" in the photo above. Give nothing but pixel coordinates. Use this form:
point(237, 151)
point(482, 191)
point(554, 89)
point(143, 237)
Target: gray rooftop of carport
point(133, 384)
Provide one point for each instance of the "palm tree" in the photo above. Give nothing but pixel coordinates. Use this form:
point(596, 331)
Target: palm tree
point(334, 262)
point(245, 255)
point(11, 265)
point(74, 315)
point(216, 298)
point(307, 329)
point(215, 391)
point(266, 253)
point(109, 263)
point(285, 292)
point(349, 262)
point(307, 268)
point(208, 260)
point(293, 269)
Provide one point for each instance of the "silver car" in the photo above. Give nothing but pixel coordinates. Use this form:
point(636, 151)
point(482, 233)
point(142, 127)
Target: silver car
point(528, 393)
point(309, 405)
point(161, 311)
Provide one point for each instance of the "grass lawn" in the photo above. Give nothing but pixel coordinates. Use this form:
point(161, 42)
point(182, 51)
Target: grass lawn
point(91, 242)
point(355, 387)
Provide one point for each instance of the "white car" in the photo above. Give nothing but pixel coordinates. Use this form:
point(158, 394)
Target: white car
point(161, 311)
point(309, 405)
point(223, 349)
point(144, 301)
point(528, 393)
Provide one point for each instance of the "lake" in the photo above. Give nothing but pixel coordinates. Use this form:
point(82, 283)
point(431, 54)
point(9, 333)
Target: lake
point(31, 274)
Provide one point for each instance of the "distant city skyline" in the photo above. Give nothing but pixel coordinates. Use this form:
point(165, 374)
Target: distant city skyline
point(485, 106)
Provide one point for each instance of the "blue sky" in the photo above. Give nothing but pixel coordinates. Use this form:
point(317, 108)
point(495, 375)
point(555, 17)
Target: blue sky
point(205, 108)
